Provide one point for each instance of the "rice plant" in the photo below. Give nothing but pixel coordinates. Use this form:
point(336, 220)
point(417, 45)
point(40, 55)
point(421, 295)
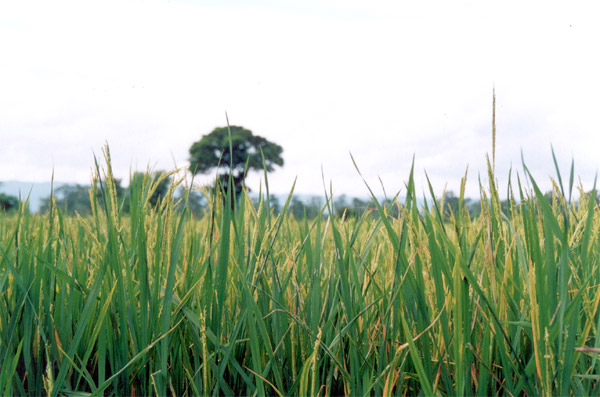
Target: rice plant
point(247, 302)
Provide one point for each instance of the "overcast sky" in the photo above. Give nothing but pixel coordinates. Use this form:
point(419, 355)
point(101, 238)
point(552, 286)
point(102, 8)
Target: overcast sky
point(385, 80)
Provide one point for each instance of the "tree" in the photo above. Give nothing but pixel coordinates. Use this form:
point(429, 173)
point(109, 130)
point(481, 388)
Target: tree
point(73, 198)
point(8, 202)
point(70, 198)
point(212, 152)
point(300, 209)
point(193, 200)
point(137, 181)
point(451, 202)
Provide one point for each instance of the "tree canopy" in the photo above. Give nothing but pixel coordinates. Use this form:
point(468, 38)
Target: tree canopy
point(215, 151)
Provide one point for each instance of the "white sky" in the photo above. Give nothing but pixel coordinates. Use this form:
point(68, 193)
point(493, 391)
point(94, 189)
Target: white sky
point(385, 80)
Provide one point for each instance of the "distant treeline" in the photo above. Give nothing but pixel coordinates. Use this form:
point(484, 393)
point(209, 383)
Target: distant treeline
point(75, 199)
point(352, 207)
point(71, 199)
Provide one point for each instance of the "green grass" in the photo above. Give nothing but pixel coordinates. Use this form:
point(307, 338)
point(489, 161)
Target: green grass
point(246, 302)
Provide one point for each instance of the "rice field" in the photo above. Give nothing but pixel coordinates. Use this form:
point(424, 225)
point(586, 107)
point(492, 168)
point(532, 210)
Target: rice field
point(246, 302)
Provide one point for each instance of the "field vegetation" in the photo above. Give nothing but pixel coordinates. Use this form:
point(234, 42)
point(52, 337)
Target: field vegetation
point(409, 297)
